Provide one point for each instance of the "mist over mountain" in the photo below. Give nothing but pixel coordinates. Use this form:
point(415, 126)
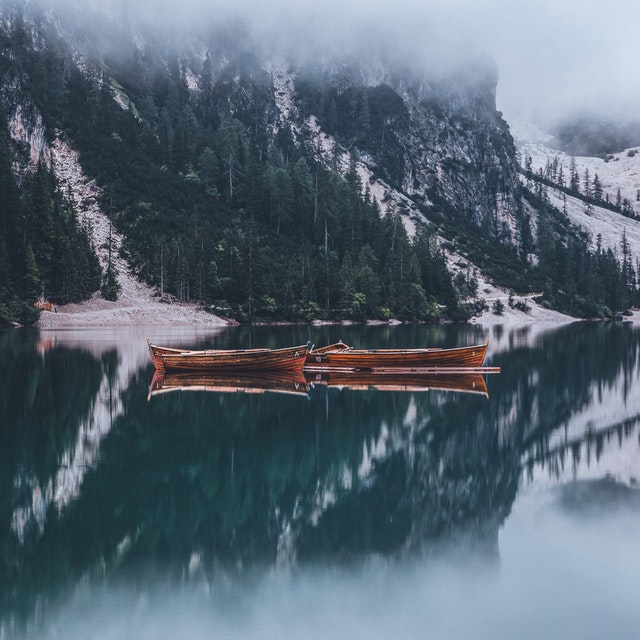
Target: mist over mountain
point(269, 166)
point(554, 60)
point(589, 135)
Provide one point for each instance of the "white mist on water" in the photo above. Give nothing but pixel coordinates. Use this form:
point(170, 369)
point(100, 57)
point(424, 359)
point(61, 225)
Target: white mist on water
point(560, 575)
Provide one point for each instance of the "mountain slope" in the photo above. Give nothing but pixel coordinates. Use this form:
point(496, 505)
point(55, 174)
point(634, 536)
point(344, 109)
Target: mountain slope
point(274, 187)
point(618, 174)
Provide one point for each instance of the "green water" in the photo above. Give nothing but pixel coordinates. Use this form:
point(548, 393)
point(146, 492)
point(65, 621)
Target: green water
point(333, 512)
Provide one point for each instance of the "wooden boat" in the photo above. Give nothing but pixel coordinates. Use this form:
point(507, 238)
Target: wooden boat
point(171, 359)
point(250, 382)
point(157, 352)
point(341, 356)
point(400, 381)
point(336, 346)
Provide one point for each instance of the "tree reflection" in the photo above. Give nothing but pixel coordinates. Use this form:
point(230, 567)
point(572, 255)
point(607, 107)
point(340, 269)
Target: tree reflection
point(239, 482)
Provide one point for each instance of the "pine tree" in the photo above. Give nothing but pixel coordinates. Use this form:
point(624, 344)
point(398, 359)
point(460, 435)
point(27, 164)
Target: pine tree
point(10, 216)
point(597, 188)
point(231, 143)
point(366, 283)
point(528, 163)
point(587, 184)
point(110, 286)
point(628, 277)
point(364, 117)
point(32, 286)
point(303, 192)
point(574, 179)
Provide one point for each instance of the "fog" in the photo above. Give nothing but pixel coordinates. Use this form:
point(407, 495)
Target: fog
point(554, 58)
point(561, 575)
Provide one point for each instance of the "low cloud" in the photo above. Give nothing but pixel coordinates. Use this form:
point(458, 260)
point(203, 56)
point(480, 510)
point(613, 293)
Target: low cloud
point(553, 58)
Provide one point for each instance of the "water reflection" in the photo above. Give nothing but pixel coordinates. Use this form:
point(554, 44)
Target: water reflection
point(99, 484)
point(226, 382)
point(63, 393)
point(405, 382)
point(302, 383)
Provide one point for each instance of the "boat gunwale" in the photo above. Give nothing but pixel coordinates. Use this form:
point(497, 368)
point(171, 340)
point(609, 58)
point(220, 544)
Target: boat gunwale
point(468, 357)
point(280, 359)
point(407, 351)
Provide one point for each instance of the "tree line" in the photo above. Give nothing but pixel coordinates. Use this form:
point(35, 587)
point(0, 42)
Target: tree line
point(575, 276)
point(587, 187)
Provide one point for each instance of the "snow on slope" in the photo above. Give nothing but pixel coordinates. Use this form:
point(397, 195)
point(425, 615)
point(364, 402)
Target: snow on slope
point(608, 224)
point(622, 171)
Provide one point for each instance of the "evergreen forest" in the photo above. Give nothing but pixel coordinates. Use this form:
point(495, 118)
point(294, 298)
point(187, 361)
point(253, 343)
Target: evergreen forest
point(43, 245)
point(220, 207)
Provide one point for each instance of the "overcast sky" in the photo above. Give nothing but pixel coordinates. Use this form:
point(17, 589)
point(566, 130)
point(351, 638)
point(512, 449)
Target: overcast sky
point(553, 56)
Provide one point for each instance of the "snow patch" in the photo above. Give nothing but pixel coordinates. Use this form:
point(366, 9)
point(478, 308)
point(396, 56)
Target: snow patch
point(621, 171)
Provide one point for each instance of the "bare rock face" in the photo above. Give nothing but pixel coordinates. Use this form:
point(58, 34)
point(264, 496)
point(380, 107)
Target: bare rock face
point(423, 146)
point(27, 133)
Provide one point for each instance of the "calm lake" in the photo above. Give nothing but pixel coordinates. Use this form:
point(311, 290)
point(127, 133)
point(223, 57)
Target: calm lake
point(323, 507)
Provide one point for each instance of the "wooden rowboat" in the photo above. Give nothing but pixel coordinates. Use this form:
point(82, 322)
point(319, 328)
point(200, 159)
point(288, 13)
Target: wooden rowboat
point(249, 382)
point(157, 352)
point(341, 356)
point(171, 359)
point(400, 381)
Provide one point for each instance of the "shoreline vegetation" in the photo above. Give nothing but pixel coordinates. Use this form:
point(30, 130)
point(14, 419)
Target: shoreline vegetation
point(137, 304)
point(97, 312)
point(140, 305)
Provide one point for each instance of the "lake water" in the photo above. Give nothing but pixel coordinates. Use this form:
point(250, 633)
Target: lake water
point(316, 509)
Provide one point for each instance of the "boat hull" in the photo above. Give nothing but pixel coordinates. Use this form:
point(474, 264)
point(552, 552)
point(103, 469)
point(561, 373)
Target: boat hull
point(471, 357)
point(287, 359)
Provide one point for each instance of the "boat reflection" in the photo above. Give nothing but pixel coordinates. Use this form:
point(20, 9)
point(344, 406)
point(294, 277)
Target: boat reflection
point(366, 380)
point(293, 382)
point(299, 383)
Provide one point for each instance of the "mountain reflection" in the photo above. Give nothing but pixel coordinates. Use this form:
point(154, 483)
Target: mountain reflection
point(97, 480)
